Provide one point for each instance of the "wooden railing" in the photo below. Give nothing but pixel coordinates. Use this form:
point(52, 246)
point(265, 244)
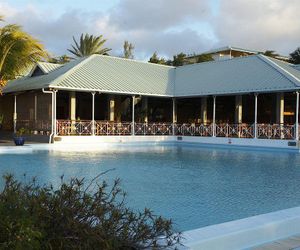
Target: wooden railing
point(275, 131)
point(194, 129)
point(153, 128)
point(105, 128)
point(112, 128)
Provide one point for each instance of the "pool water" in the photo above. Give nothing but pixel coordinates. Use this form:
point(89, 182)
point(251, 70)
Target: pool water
point(195, 186)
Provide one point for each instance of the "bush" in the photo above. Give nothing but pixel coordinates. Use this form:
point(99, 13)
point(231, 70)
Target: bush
point(77, 215)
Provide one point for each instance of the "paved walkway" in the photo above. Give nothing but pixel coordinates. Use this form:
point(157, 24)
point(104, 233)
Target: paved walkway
point(291, 243)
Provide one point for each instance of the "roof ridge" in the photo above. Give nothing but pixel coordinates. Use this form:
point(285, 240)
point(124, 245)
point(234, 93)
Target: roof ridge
point(137, 61)
point(71, 70)
point(41, 62)
point(281, 70)
point(276, 59)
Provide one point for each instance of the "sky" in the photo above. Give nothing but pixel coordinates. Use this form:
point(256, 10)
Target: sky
point(165, 26)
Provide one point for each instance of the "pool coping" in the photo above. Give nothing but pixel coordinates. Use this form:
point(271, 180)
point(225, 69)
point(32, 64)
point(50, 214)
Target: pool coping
point(94, 142)
point(245, 233)
point(220, 141)
point(237, 234)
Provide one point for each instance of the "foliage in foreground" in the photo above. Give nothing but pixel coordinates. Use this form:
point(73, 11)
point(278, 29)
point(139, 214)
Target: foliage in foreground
point(77, 216)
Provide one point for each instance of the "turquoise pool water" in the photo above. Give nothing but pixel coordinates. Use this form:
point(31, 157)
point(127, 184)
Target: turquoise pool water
point(195, 186)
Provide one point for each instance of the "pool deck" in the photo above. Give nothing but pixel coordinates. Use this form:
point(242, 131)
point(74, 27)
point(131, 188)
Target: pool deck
point(290, 243)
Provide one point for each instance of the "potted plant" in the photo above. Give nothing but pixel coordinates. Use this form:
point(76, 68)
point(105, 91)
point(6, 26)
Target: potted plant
point(1, 120)
point(19, 138)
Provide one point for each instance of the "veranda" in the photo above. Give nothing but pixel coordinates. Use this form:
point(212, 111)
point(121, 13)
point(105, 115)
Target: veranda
point(69, 113)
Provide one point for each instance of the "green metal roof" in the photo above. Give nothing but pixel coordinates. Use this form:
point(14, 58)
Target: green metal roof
point(107, 74)
point(118, 75)
point(39, 82)
point(48, 67)
point(297, 66)
point(256, 73)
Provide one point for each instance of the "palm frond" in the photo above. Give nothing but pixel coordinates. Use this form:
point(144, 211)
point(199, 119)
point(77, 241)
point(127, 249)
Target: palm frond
point(88, 45)
point(18, 51)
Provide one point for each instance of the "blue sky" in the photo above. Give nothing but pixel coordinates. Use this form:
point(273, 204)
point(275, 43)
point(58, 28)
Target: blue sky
point(165, 26)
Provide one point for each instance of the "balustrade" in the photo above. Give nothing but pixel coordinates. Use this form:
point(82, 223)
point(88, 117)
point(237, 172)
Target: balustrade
point(264, 131)
point(275, 131)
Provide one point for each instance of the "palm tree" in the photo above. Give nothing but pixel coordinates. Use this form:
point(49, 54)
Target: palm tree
point(271, 53)
point(60, 60)
point(18, 52)
point(89, 45)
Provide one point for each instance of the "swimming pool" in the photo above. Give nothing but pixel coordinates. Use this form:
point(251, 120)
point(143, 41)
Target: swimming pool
point(195, 186)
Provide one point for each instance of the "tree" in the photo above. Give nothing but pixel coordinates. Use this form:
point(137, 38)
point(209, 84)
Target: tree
point(271, 53)
point(128, 50)
point(295, 56)
point(154, 58)
point(89, 45)
point(178, 60)
point(77, 215)
point(60, 60)
point(18, 52)
point(204, 58)
point(158, 60)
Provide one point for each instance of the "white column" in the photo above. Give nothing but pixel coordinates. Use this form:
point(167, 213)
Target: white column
point(280, 108)
point(111, 104)
point(93, 113)
point(255, 115)
point(15, 114)
point(54, 116)
point(204, 110)
point(133, 103)
point(72, 101)
point(297, 117)
point(174, 115)
point(35, 106)
point(214, 116)
point(238, 109)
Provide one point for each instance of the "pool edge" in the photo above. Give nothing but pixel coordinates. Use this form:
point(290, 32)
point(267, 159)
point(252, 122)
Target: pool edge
point(245, 233)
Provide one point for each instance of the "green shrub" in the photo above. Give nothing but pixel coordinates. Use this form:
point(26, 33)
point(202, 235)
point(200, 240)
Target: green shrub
point(77, 215)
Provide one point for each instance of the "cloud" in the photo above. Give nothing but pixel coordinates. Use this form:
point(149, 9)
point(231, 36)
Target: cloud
point(157, 15)
point(156, 25)
point(268, 24)
point(56, 33)
point(166, 26)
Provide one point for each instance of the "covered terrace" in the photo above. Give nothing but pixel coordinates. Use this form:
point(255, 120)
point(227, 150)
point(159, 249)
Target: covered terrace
point(249, 97)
